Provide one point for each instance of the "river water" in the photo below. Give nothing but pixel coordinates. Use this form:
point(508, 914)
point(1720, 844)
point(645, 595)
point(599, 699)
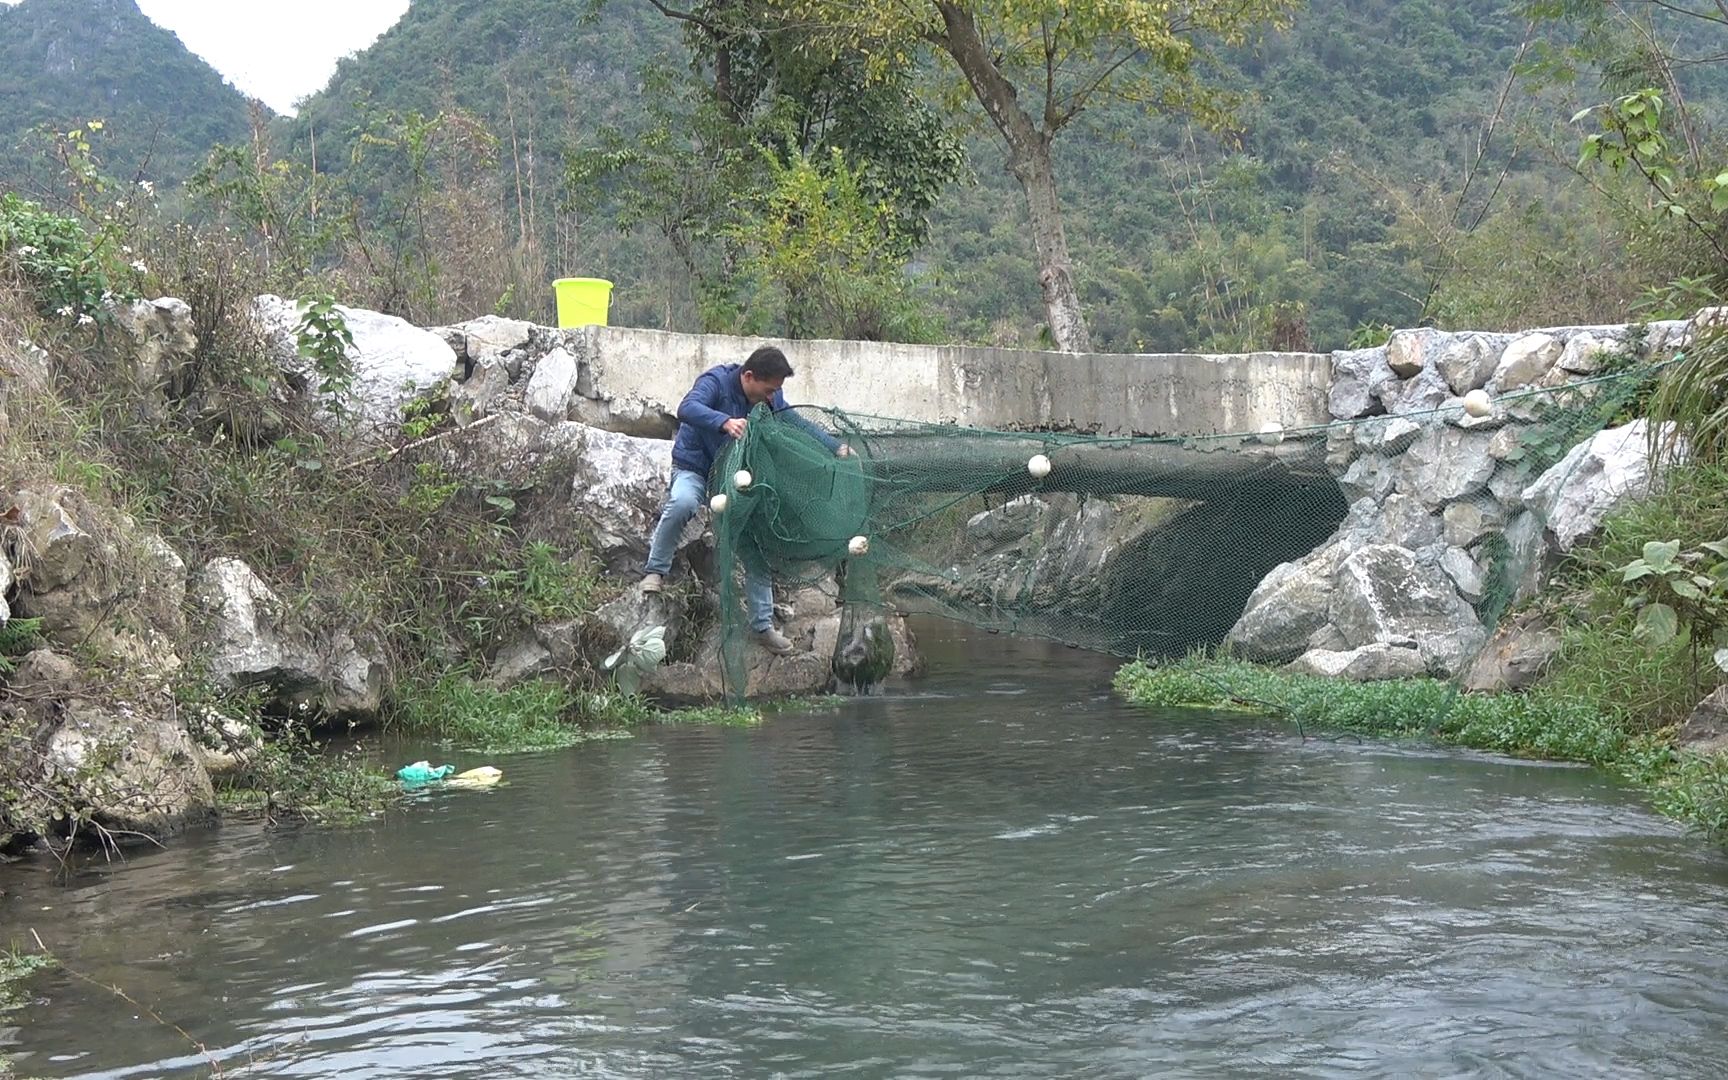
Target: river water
point(999, 870)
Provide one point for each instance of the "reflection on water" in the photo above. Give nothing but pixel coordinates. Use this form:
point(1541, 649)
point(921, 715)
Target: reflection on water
point(998, 870)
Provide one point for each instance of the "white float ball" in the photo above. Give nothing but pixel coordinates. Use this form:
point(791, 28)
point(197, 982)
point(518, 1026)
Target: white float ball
point(1038, 465)
point(1271, 433)
point(718, 503)
point(859, 545)
point(1478, 403)
point(742, 479)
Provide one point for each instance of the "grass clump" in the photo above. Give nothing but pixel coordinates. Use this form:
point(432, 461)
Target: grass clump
point(16, 966)
point(1613, 698)
point(1544, 723)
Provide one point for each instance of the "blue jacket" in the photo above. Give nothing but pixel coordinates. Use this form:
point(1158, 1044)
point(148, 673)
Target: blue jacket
point(717, 397)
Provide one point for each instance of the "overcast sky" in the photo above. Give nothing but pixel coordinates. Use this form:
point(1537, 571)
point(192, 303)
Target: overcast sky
point(279, 52)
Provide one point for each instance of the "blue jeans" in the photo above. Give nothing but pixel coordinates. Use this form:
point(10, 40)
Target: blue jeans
point(683, 499)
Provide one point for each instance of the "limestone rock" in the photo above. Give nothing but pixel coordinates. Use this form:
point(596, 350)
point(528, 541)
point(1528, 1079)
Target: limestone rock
point(1404, 352)
point(1370, 476)
point(250, 640)
point(1424, 393)
point(1706, 730)
point(1467, 360)
point(806, 671)
point(1468, 521)
point(1583, 352)
point(1370, 663)
point(160, 338)
point(1514, 658)
point(491, 336)
point(1009, 523)
point(552, 385)
point(1407, 522)
point(1384, 595)
point(617, 492)
point(1291, 604)
point(1445, 463)
point(1349, 398)
point(1465, 574)
point(481, 393)
point(393, 360)
point(1524, 363)
point(1575, 494)
point(135, 772)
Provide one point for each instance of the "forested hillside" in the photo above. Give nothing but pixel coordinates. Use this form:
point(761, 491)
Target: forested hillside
point(1183, 237)
point(1378, 168)
point(65, 62)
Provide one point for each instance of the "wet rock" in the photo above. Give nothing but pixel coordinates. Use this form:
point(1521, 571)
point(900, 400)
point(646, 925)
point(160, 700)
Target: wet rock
point(863, 651)
point(1515, 658)
point(1370, 663)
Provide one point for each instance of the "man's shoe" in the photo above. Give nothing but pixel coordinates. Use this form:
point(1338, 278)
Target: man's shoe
point(653, 583)
point(774, 641)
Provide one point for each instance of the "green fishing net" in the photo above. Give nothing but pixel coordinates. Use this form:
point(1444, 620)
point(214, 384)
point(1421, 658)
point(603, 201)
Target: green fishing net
point(1133, 546)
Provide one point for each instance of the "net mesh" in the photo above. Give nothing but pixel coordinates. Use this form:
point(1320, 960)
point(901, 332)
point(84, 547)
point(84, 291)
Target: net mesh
point(1148, 546)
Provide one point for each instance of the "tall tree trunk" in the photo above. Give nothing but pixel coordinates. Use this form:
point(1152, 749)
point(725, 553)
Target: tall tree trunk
point(1029, 161)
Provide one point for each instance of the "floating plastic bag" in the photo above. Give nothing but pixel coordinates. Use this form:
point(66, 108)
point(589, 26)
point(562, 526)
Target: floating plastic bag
point(423, 772)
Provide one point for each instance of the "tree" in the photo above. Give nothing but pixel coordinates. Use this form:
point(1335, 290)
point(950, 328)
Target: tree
point(1035, 66)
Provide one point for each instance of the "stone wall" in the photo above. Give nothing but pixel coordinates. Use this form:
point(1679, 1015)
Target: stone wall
point(1452, 515)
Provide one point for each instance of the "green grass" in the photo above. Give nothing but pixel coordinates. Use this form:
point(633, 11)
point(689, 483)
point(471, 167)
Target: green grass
point(1547, 723)
point(713, 715)
point(538, 715)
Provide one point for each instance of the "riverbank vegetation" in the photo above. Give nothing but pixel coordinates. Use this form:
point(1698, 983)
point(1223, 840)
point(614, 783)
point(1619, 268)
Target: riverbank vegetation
point(432, 567)
point(1614, 696)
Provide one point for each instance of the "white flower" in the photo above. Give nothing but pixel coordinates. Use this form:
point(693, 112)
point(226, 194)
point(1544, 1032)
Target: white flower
point(138, 265)
point(85, 320)
point(66, 311)
point(29, 249)
point(147, 188)
point(125, 249)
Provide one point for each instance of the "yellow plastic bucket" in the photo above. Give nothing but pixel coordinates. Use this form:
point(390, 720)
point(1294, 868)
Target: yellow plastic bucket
point(582, 301)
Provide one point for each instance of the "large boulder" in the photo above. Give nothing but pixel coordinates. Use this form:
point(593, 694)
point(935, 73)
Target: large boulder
point(1573, 496)
point(618, 490)
point(251, 640)
point(95, 578)
point(1515, 657)
point(1445, 463)
point(1290, 606)
point(1384, 594)
point(118, 762)
point(393, 360)
point(1706, 730)
point(159, 339)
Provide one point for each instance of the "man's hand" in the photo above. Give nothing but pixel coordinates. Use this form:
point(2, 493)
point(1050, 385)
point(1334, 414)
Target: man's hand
point(844, 451)
point(734, 427)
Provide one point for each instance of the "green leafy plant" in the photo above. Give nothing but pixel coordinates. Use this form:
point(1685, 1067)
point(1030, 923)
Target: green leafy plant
point(17, 637)
point(1682, 591)
point(67, 271)
point(323, 338)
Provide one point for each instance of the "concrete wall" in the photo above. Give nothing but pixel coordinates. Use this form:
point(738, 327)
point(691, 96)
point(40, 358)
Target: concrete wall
point(634, 372)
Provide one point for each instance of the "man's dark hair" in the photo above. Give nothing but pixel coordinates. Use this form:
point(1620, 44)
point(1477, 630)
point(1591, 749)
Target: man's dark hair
point(768, 363)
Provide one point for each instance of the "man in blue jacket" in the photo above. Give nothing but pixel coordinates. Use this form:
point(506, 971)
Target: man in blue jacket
point(713, 412)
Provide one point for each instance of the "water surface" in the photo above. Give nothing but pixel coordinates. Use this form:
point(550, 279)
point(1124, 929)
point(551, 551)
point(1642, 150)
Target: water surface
point(999, 870)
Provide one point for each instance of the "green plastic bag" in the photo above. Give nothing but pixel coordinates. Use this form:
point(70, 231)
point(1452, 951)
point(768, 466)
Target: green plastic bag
point(423, 772)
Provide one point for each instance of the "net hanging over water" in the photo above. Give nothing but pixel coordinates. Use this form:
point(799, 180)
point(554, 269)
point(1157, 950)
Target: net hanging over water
point(1418, 527)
